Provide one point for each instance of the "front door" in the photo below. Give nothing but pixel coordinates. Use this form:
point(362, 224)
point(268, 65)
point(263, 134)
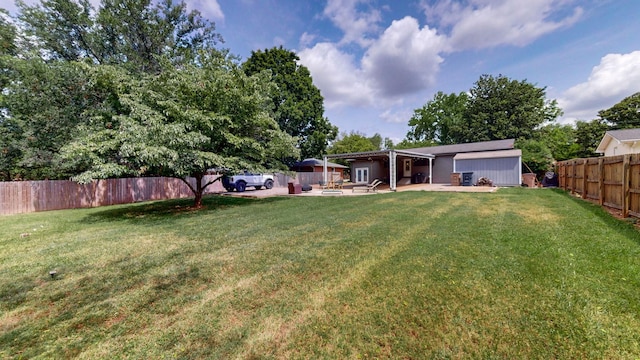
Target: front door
point(406, 170)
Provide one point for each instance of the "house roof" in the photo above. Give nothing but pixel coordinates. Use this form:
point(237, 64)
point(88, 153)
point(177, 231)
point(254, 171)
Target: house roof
point(494, 145)
point(317, 162)
point(625, 135)
point(378, 153)
point(488, 154)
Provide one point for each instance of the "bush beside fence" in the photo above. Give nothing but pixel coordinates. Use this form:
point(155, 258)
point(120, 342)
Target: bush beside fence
point(612, 181)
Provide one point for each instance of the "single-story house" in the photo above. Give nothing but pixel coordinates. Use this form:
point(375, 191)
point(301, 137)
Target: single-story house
point(496, 160)
point(620, 142)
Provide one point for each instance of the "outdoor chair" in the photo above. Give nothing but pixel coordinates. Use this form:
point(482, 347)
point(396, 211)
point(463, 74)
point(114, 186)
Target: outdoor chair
point(323, 184)
point(369, 187)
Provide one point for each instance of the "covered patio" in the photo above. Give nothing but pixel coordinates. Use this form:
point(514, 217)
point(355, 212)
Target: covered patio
point(386, 163)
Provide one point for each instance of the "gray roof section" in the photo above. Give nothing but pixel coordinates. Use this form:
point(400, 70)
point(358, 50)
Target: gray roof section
point(318, 162)
point(506, 144)
point(488, 154)
point(625, 135)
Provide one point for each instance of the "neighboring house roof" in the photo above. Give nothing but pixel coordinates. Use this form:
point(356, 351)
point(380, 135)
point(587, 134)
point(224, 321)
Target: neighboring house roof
point(488, 154)
point(494, 145)
point(622, 136)
point(316, 162)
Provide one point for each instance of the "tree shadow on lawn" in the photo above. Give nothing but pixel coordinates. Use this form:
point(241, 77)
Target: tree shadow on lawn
point(162, 211)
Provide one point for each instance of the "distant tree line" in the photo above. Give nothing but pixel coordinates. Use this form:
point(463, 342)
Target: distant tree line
point(497, 107)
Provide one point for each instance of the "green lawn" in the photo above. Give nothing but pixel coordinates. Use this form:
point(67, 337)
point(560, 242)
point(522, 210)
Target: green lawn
point(519, 273)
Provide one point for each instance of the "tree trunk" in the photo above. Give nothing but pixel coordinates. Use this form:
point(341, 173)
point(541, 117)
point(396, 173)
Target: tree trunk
point(198, 191)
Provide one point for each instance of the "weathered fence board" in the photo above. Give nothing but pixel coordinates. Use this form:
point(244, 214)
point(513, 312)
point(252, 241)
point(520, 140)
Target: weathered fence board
point(613, 181)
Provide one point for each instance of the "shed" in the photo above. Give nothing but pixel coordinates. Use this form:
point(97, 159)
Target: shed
point(443, 165)
point(503, 167)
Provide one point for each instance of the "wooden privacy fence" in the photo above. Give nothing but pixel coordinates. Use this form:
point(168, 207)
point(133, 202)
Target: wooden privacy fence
point(613, 181)
point(29, 196)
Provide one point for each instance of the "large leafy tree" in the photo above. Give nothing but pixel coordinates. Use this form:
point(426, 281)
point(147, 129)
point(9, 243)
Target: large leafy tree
point(181, 123)
point(8, 34)
point(42, 105)
point(501, 108)
point(560, 140)
point(131, 32)
point(440, 120)
point(355, 142)
point(298, 104)
point(623, 115)
point(536, 156)
point(588, 136)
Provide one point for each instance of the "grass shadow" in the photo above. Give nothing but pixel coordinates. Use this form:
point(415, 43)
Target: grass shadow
point(172, 209)
point(613, 222)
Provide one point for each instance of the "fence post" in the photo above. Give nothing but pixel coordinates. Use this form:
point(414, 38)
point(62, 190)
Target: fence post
point(573, 177)
point(625, 186)
point(584, 178)
point(601, 181)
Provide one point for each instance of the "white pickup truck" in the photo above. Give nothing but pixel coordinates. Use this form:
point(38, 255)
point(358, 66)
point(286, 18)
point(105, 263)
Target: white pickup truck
point(241, 181)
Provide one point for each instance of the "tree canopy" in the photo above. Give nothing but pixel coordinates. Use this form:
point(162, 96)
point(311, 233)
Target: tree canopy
point(131, 32)
point(440, 120)
point(355, 142)
point(43, 103)
point(298, 104)
point(495, 108)
point(501, 108)
point(181, 123)
point(623, 115)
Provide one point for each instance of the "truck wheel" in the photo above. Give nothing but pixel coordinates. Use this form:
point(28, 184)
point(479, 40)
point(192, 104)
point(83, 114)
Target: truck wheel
point(268, 184)
point(241, 186)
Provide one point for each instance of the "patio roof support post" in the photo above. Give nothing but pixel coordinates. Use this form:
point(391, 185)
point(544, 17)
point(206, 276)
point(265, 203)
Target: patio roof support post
point(430, 170)
point(392, 170)
point(324, 170)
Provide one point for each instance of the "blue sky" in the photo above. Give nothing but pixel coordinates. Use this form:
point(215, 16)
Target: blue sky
point(375, 61)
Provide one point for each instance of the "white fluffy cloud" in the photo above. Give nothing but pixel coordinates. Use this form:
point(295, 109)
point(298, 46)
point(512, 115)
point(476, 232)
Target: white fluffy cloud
point(480, 24)
point(404, 59)
point(337, 76)
point(616, 77)
point(210, 9)
point(356, 25)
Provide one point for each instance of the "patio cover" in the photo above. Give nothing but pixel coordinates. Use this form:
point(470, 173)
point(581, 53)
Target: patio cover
point(392, 154)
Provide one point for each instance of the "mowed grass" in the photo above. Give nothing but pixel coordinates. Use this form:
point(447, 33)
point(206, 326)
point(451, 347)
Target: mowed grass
point(519, 273)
